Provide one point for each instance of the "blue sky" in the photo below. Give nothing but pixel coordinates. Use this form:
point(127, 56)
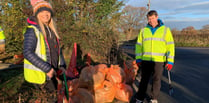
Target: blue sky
point(178, 13)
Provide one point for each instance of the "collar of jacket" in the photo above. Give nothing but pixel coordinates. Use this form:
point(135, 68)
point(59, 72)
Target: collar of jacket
point(160, 23)
point(32, 21)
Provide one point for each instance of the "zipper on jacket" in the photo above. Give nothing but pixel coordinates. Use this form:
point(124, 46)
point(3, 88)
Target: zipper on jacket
point(151, 47)
point(152, 44)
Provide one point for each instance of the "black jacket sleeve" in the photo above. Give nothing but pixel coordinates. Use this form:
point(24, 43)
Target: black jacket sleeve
point(30, 42)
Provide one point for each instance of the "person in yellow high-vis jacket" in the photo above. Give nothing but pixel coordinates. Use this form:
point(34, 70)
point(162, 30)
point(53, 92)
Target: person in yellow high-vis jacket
point(2, 40)
point(154, 51)
point(42, 54)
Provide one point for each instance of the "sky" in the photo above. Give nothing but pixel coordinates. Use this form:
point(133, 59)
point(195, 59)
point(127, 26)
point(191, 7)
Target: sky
point(178, 14)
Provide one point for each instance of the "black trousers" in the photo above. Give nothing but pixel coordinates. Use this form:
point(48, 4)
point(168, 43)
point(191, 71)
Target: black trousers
point(154, 69)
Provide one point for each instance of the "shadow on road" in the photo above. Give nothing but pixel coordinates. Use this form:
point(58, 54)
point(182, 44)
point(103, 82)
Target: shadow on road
point(189, 76)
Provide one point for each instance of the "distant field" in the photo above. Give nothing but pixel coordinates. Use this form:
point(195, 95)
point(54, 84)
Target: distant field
point(181, 40)
point(191, 40)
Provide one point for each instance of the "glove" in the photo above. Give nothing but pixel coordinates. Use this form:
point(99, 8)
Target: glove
point(60, 74)
point(169, 66)
point(138, 64)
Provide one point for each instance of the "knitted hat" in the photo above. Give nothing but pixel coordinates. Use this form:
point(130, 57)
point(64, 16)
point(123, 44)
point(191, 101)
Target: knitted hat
point(40, 5)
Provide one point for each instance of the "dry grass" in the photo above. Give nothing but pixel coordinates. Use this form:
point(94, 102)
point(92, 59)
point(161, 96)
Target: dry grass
point(191, 40)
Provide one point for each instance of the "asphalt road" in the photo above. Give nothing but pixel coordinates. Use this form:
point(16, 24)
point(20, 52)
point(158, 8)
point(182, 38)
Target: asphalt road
point(190, 77)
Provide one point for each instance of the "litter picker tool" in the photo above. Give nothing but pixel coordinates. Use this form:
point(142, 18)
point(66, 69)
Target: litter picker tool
point(169, 83)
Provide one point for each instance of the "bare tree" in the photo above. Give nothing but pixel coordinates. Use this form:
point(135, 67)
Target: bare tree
point(133, 19)
point(205, 29)
point(190, 30)
point(175, 31)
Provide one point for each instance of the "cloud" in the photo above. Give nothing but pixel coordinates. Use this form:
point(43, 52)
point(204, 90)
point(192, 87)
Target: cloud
point(183, 24)
point(137, 3)
point(187, 19)
point(179, 12)
point(195, 6)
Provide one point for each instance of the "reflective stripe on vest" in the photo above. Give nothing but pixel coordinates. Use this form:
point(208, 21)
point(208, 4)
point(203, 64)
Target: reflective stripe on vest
point(139, 43)
point(2, 41)
point(156, 39)
point(151, 51)
point(155, 54)
point(169, 43)
point(33, 74)
point(2, 36)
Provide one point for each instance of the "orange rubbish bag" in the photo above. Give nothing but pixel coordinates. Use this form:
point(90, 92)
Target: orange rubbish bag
point(90, 78)
point(105, 93)
point(124, 92)
point(82, 96)
point(116, 74)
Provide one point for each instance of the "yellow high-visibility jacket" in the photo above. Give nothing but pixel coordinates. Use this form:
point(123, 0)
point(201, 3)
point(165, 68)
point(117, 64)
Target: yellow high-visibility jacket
point(2, 36)
point(33, 74)
point(157, 47)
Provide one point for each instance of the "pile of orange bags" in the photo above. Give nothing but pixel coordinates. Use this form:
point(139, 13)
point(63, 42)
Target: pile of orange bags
point(97, 84)
point(105, 83)
point(101, 84)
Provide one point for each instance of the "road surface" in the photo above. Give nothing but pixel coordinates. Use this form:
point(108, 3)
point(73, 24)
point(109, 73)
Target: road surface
point(190, 76)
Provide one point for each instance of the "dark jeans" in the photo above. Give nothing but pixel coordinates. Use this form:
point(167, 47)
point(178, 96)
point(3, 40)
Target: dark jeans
point(154, 69)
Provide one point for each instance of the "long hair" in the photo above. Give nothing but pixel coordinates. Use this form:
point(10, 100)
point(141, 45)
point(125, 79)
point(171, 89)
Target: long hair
point(52, 25)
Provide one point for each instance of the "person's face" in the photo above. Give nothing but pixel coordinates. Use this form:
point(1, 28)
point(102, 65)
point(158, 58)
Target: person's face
point(44, 16)
point(152, 20)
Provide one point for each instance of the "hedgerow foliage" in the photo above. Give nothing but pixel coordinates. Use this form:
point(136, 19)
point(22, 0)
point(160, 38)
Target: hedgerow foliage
point(92, 24)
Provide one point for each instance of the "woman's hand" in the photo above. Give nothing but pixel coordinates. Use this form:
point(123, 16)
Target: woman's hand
point(50, 73)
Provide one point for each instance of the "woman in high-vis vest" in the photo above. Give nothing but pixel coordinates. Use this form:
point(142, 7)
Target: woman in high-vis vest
point(154, 51)
point(42, 55)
